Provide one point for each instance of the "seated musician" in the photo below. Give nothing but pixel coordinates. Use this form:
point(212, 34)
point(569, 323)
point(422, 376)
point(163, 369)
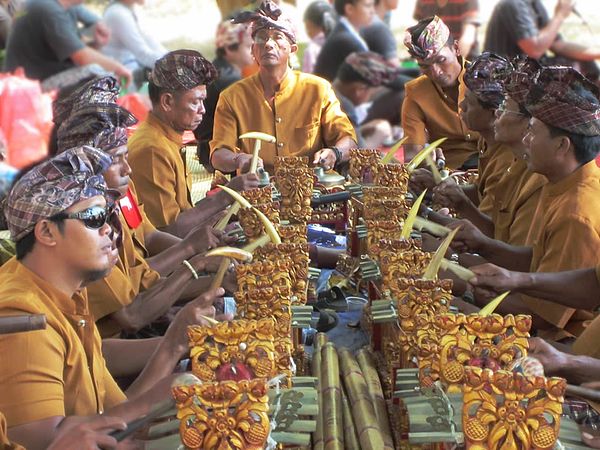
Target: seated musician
point(58, 216)
point(300, 110)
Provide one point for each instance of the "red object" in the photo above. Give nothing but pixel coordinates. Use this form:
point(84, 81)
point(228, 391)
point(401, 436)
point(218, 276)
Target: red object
point(233, 372)
point(598, 160)
point(130, 210)
point(25, 118)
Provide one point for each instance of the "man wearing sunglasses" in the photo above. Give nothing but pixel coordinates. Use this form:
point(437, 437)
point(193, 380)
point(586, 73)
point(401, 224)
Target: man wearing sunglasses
point(57, 215)
point(300, 110)
point(151, 274)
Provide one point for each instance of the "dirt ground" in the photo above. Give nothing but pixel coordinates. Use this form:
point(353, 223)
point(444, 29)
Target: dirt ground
point(192, 23)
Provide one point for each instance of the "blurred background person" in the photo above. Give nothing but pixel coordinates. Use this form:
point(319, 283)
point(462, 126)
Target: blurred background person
point(319, 21)
point(461, 17)
point(128, 43)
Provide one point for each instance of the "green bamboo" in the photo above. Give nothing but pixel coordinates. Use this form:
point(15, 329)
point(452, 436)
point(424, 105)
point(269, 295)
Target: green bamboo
point(350, 437)
point(331, 393)
point(320, 340)
point(363, 412)
point(367, 366)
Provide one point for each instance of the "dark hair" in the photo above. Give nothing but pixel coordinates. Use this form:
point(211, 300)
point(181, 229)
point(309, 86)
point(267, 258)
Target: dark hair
point(321, 14)
point(25, 245)
point(586, 147)
point(347, 74)
point(340, 6)
point(154, 92)
point(221, 50)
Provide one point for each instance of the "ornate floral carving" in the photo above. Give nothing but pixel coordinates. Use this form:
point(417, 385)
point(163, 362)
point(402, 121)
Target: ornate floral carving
point(259, 196)
point(506, 410)
point(295, 181)
point(381, 229)
point(384, 203)
point(250, 222)
point(362, 163)
point(417, 301)
point(227, 415)
point(244, 345)
point(401, 258)
point(391, 175)
point(492, 342)
point(293, 233)
point(298, 257)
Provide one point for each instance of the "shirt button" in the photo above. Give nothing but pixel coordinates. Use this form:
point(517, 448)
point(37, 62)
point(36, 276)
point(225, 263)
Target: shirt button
point(81, 323)
point(468, 136)
point(278, 120)
point(280, 144)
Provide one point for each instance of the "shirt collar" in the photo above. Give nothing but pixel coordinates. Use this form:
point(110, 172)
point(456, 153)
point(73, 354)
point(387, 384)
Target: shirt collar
point(75, 305)
point(354, 32)
point(167, 130)
point(587, 171)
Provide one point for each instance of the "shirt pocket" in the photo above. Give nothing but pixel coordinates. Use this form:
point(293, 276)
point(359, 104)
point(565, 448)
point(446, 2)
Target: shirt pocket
point(305, 136)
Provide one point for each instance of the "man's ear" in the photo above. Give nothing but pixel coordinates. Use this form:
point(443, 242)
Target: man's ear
point(46, 232)
point(293, 48)
point(456, 48)
point(166, 101)
point(563, 146)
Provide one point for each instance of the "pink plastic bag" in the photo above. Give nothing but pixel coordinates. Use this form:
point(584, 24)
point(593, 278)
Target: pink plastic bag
point(137, 105)
point(25, 119)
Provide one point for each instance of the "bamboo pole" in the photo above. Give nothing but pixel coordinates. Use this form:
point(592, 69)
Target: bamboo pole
point(331, 393)
point(350, 437)
point(367, 366)
point(363, 412)
point(319, 342)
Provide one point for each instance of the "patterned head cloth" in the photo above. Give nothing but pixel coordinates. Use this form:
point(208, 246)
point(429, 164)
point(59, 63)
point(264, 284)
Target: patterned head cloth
point(565, 99)
point(426, 38)
point(369, 67)
point(53, 186)
point(104, 89)
point(269, 16)
point(182, 70)
point(103, 126)
point(229, 33)
point(484, 75)
point(519, 78)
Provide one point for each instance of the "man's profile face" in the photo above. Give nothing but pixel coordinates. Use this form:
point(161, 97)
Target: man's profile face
point(272, 48)
point(511, 124)
point(540, 147)
point(117, 174)
point(360, 13)
point(187, 109)
point(475, 116)
point(444, 67)
point(89, 251)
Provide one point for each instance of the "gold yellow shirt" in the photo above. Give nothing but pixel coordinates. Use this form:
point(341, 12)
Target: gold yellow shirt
point(515, 201)
point(127, 279)
point(494, 161)
point(159, 171)
point(565, 233)
point(305, 118)
point(59, 371)
point(428, 114)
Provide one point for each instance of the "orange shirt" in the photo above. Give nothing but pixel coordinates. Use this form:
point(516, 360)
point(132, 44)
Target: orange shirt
point(127, 279)
point(515, 200)
point(565, 233)
point(159, 171)
point(494, 160)
point(306, 117)
point(59, 371)
point(428, 113)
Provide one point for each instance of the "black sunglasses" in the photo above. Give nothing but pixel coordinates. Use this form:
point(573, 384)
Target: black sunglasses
point(93, 218)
